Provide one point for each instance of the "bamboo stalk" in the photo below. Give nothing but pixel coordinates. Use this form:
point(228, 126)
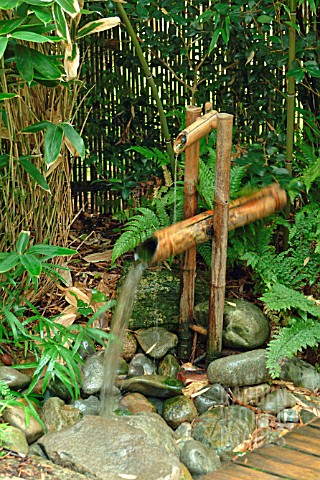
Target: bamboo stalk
point(291, 82)
point(183, 235)
point(220, 236)
point(188, 264)
point(193, 133)
point(150, 80)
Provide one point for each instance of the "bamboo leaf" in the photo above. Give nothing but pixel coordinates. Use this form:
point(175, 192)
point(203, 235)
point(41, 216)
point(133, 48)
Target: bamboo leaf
point(11, 261)
point(69, 6)
point(265, 19)
point(32, 170)
point(52, 143)
point(7, 96)
point(36, 127)
point(44, 65)
point(31, 264)
point(214, 39)
point(3, 45)
point(98, 26)
point(61, 23)
point(44, 14)
point(23, 62)
point(9, 4)
point(51, 250)
point(74, 137)
point(30, 37)
point(22, 241)
point(10, 25)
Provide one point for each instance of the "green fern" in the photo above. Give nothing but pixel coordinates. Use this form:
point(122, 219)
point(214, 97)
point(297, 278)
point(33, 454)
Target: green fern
point(290, 340)
point(279, 297)
point(137, 229)
point(237, 175)
point(204, 249)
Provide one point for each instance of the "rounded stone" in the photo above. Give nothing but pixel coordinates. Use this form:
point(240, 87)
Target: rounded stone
point(216, 395)
point(277, 400)
point(198, 458)
point(169, 366)
point(129, 346)
point(156, 341)
point(179, 409)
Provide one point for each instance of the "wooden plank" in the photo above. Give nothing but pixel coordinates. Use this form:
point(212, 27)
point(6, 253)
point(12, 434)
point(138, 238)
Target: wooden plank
point(308, 445)
point(308, 432)
point(276, 466)
point(289, 456)
point(238, 472)
point(315, 423)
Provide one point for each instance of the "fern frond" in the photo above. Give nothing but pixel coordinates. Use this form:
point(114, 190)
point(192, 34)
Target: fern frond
point(136, 230)
point(159, 157)
point(237, 175)
point(205, 249)
point(280, 297)
point(290, 340)
point(162, 214)
point(205, 186)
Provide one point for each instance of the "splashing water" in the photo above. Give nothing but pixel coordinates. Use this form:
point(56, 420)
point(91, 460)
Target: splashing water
point(119, 324)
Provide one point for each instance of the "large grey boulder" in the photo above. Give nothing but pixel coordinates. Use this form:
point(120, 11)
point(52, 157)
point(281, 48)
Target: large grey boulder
point(248, 368)
point(301, 373)
point(109, 448)
point(245, 327)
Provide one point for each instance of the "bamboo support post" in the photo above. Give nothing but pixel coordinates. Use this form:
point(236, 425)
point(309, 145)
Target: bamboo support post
point(188, 264)
point(183, 235)
point(220, 236)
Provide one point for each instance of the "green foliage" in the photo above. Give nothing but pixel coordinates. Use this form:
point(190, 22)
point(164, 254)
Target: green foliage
point(279, 297)
point(290, 340)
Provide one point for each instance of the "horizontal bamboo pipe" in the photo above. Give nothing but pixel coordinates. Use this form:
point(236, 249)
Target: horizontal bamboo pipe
point(194, 132)
point(182, 235)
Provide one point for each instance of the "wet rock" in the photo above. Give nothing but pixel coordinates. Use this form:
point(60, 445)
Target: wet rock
point(136, 402)
point(92, 374)
point(88, 406)
point(157, 402)
point(224, 428)
point(264, 420)
point(288, 415)
point(16, 417)
point(169, 366)
point(179, 409)
point(58, 389)
point(56, 414)
point(157, 284)
point(156, 341)
point(301, 373)
point(143, 448)
point(247, 368)
point(198, 458)
point(184, 431)
point(216, 395)
point(154, 385)
point(244, 325)
point(306, 416)
point(123, 367)
point(276, 401)
point(14, 439)
point(129, 346)
point(251, 395)
point(143, 364)
point(13, 378)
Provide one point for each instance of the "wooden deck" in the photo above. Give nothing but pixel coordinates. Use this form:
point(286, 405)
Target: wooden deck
point(298, 459)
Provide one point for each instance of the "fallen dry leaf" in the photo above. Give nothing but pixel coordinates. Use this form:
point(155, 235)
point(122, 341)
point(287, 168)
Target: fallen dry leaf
point(194, 387)
point(99, 257)
point(72, 294)
point(67, 316)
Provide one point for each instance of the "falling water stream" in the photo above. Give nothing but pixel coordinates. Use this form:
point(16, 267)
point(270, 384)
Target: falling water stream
point(119, 325)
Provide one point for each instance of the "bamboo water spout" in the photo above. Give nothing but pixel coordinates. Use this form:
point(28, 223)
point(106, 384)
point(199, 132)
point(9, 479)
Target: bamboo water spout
point(181, 236)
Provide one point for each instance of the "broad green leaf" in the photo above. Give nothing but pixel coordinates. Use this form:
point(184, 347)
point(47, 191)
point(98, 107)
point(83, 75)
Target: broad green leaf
point(11, 261)
point(3, 45)
point(39, 3)
point(32, 170)
point(98, 26)
point(8, 4)
point(44, 65)
point(51, 250)
point(296, 72)
point(312, 69)
point(36, 127)
point(22, 241)
point(69, 6)
point(4, 160)
point(31, 264)
point(38, 28)
point(74, 137)
point(52, 143)
point(265, 19)
point(61, 23)
point(10, 25)
point(44, 14)
point(23, 62)
point(7, 96)
point(30, 37)
point(214, 39)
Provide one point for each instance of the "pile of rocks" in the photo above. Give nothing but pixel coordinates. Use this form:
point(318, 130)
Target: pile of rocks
point(165, 430)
